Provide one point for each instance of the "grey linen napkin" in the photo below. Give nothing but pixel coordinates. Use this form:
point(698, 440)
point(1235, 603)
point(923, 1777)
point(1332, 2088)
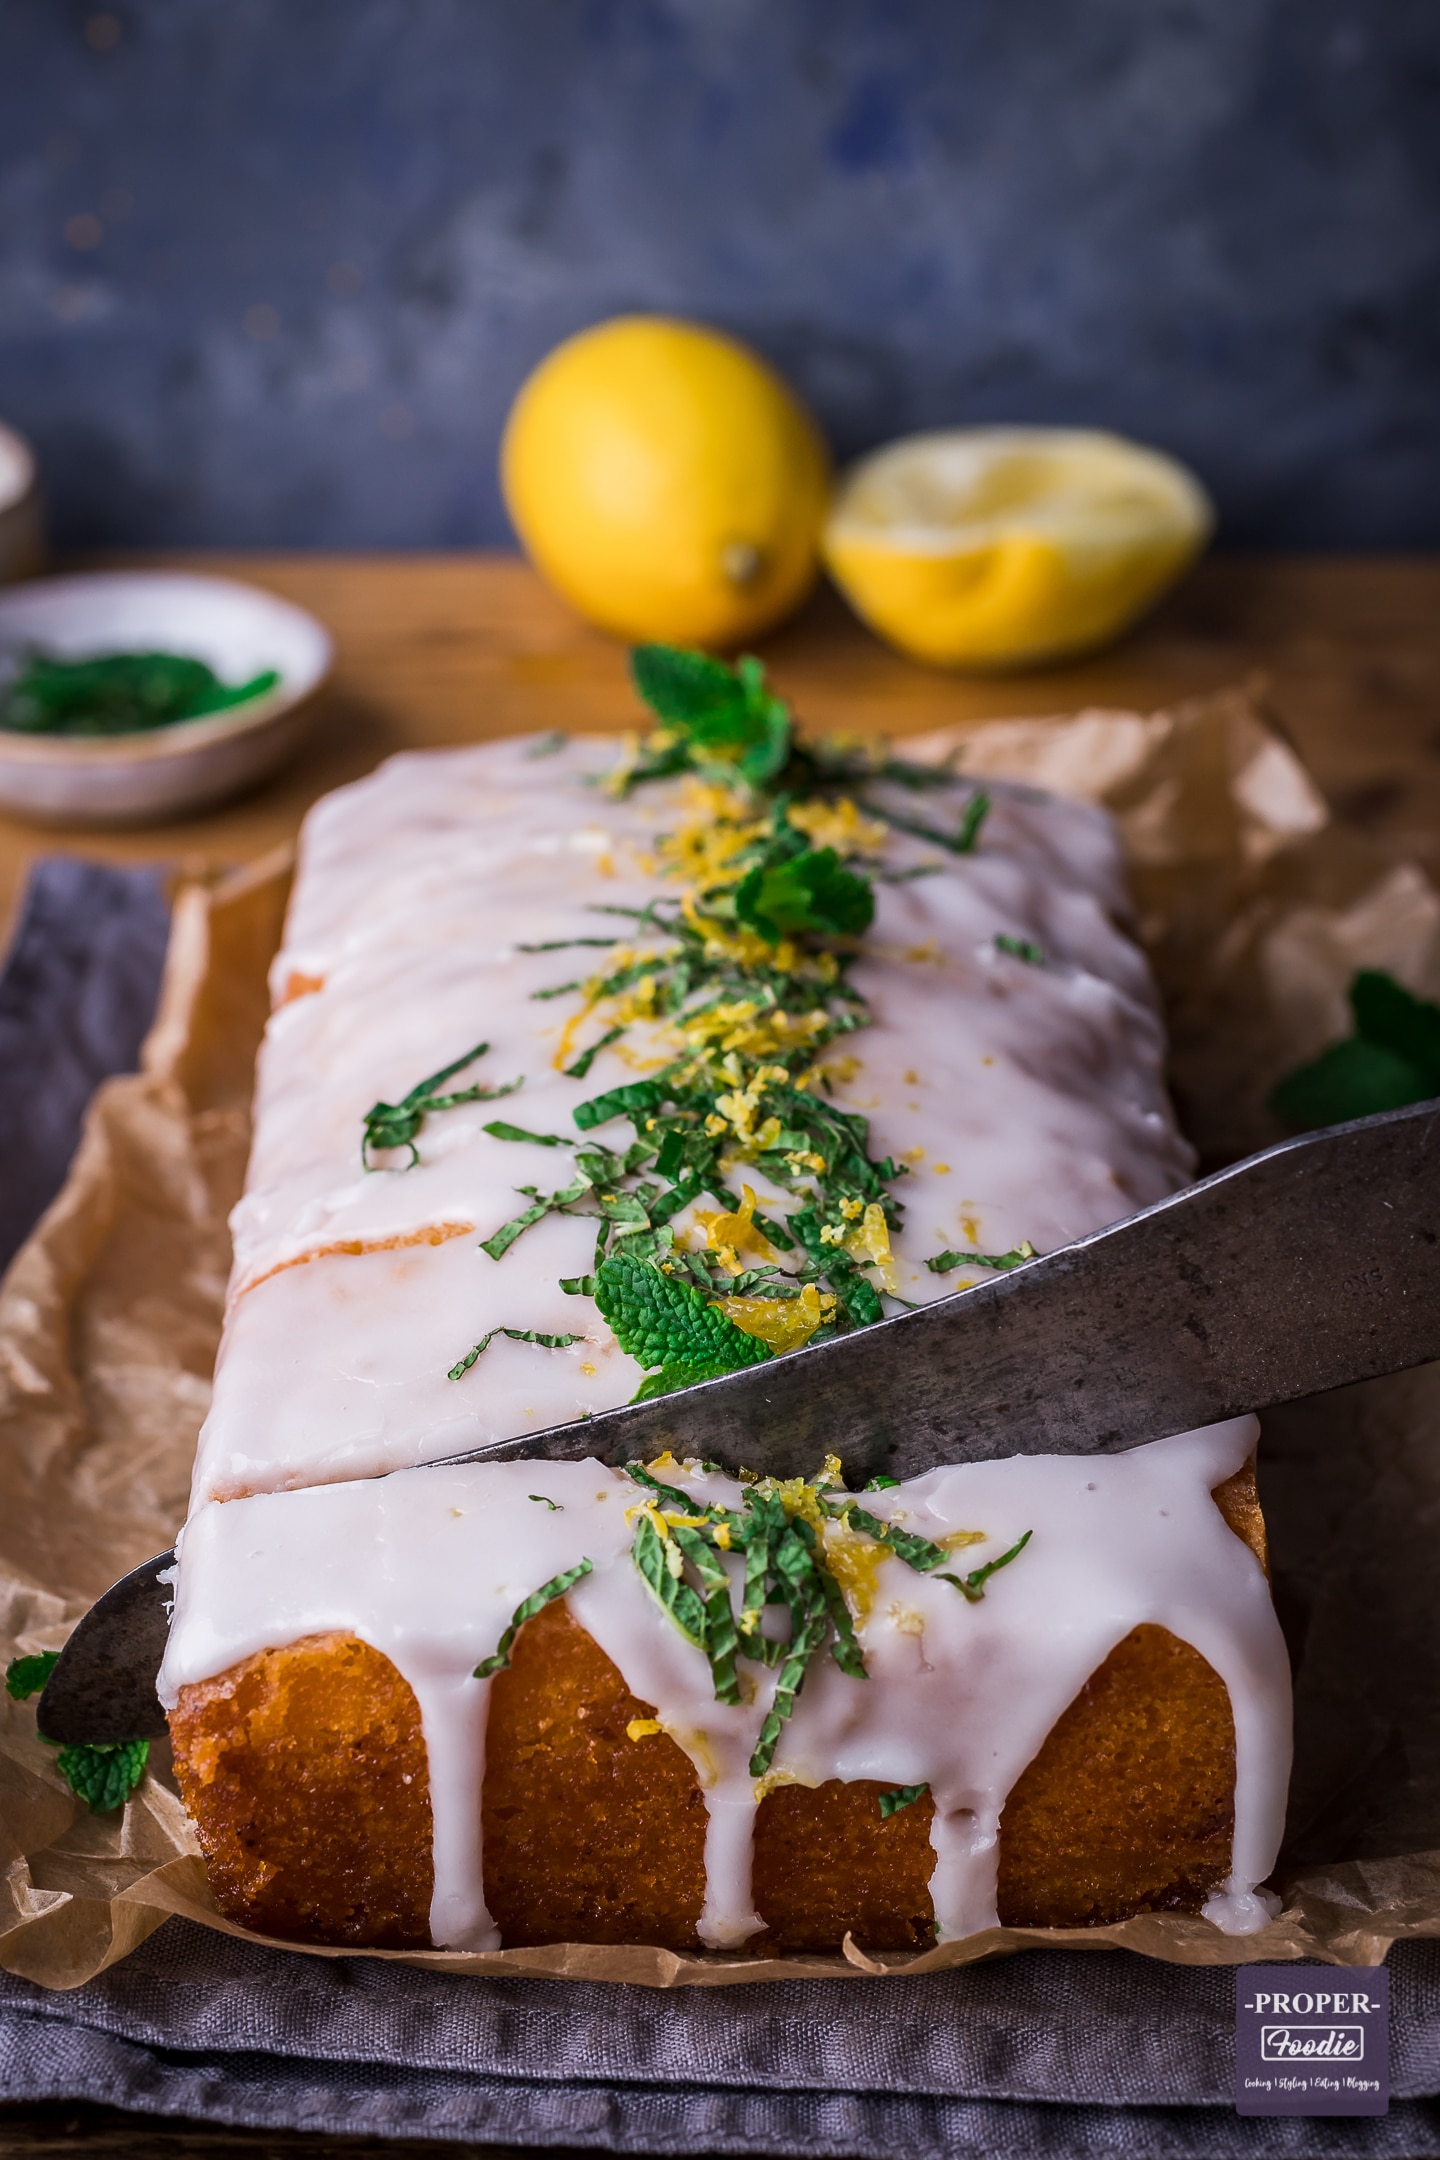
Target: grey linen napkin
point(1048, 2053)
point(76, 998)
point(1045, 2053)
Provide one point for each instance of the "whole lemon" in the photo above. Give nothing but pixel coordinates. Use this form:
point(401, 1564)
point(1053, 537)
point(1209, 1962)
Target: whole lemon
point(1008, 547)
point(666, 482)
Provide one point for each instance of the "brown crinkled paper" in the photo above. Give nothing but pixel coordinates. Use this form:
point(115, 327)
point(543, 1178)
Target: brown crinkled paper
point(1255, 910)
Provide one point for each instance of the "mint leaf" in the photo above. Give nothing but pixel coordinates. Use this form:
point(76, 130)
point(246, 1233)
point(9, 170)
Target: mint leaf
point(1351, 1079)
point(902, 1797)
point(663, 1321)
point(1387, 1015)
point(26, 1676)
point(813, 891)
point(723, 717)
point(1391, 1059)
point(678, 1373)
point(103, 1776)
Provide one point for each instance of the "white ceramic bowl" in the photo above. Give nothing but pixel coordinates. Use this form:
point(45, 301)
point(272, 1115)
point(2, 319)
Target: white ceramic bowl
point(22, 538)
point(239, 630)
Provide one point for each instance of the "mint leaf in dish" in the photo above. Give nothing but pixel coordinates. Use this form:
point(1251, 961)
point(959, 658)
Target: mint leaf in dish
point(119, 693)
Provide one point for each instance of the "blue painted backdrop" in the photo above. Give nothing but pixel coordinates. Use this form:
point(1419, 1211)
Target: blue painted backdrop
point(271, 270)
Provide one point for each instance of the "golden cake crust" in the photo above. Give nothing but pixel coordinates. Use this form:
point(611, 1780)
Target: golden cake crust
point(304, 1770)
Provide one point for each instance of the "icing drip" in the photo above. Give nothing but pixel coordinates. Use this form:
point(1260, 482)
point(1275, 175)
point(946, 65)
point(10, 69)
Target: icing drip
point(428, 1565)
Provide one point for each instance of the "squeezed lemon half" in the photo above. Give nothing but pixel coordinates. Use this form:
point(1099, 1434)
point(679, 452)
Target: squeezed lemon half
point(1003, 547)
point(666, 482)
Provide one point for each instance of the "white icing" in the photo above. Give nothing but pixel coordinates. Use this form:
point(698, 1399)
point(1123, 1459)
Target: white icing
point(1038, 1088)
point(428, 1565)
point(1030, 1103)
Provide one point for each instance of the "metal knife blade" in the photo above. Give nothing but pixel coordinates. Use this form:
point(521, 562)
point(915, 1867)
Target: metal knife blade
point(1311, 1265)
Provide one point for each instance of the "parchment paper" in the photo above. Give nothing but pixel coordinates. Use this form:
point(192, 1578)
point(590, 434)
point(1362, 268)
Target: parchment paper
point(1255, 909)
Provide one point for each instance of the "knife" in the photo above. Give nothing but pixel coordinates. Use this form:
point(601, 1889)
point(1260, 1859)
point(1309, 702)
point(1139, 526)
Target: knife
point(1311, 1265)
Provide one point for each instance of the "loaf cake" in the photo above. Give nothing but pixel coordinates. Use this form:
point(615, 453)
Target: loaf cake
point(592, 1074)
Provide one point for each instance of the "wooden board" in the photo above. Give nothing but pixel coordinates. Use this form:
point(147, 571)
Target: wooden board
point(449, 649)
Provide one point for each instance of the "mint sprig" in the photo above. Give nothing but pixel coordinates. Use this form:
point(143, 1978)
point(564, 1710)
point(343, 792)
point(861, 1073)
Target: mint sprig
point(717, 720)
point(101, 1773)
point(1391, 1059)
point(26, 1676)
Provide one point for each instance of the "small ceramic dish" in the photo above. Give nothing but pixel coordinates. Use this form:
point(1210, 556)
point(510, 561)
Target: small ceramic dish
point(238, 630)
point(22, 534)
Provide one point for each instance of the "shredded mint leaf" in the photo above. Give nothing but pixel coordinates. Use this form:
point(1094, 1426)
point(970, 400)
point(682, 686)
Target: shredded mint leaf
point(722, 1642)
point(902, 1797)
point(975, 814)
point(662, 1320)
point(1020, 948)
point(812, 891)
point(945, 1263)
point(880, 1482)
point(685, 1608)
point(564, 944)
point(1392, 1059)
point(637, 1096)
point(26, 1676)
point(394, 1125)
point(917, 1552)
point(498, 1129)
point(586, 1059)
point(516, 1334)
point(962, 840)
point(103, 1776)
point(972, 1586)
point(526, 1610)
point(553, 1505)
point(543, 1204)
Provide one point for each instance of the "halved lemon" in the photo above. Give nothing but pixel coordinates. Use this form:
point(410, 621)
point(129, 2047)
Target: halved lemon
point(1003, 547)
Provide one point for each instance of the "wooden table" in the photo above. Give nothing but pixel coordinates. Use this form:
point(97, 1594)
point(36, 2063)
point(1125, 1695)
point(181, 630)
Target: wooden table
point(446, 649)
